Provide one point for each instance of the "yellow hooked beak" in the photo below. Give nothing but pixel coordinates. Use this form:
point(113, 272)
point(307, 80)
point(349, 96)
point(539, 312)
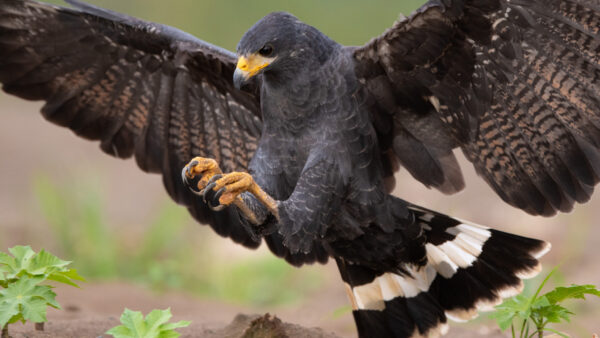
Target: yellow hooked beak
point(248, 66)
point(253, 64)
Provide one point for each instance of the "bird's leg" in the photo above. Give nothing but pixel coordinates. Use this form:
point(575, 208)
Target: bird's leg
point(228, 188)
point(220, 190)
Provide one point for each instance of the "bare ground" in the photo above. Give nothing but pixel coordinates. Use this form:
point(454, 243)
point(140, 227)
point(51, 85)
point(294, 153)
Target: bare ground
point(95, 308)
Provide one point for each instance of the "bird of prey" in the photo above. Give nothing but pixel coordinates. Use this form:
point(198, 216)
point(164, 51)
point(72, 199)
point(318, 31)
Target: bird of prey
point(294, 139)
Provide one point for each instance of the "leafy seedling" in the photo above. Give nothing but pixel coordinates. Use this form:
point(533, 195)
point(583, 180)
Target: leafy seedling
point(26, 262)
point(540, 310)
point(25, 300)
point(22, 298)
point(155, 325)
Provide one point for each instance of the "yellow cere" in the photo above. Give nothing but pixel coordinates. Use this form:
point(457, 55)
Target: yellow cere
point(242, 64)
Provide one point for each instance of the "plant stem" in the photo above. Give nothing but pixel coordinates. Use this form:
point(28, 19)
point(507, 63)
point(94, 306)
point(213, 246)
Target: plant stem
point(541, 286)
point(540, 328)
point(5, 331)
point(523, 328)
point(39, 326)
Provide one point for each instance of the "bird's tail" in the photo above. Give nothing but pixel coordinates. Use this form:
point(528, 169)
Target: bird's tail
point(469, 268)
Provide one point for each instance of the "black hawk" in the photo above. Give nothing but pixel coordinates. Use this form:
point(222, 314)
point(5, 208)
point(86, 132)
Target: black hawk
point(299, 136)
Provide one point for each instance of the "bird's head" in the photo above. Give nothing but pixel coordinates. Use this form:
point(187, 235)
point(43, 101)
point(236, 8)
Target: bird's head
point(279, 43)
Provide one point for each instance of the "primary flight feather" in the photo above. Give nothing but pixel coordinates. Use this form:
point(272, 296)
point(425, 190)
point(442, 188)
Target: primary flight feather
point(295, 138)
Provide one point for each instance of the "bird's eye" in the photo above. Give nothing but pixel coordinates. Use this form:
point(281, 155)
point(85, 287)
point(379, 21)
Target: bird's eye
point(266, 50)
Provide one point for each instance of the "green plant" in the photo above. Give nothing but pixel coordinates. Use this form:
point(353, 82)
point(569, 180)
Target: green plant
point(155, 325)
point(540, 310)
point(171, 252)
point(22, 298)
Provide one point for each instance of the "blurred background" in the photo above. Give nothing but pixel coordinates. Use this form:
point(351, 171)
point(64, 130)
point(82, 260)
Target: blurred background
point(126, 237)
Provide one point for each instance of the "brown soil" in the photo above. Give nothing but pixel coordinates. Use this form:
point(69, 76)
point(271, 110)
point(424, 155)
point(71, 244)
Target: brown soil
point(92, 310)
point(246, 326)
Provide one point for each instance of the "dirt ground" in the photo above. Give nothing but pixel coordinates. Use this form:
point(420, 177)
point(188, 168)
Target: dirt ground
point(30, 145)
point(91, 312)
point(95, 308)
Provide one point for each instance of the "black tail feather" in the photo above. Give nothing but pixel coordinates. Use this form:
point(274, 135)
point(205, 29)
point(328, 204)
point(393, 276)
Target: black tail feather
point(469, 268)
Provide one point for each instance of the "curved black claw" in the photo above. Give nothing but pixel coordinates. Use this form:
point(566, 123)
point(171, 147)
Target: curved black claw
point(191, 166)
point(210, 196)
point(184, 178)
point(191, 183)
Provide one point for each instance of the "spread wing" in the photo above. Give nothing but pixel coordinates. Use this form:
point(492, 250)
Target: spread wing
point(515, 84)
point(141, 89)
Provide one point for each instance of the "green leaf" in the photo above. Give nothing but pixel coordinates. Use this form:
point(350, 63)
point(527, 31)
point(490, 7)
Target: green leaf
point(34, 310)
point(61, 279)
point(519, 305)
point(120, 332)
point(3, 280)
point(42, 264)
point(22, 257)
point(171, 326)
point(66, 277)
point(168, 330)
point(22, 254)
point(540, 302)
point(134, 321)
point(72, 274)
point(7, 312)
point(515, 307)
point(45, 263)
point(169, 334)
point(571, 292)
point(45, 292)
point(504, 318)
point(27, 299)
point(6, 259)
point(153, 326)
point(17, 318)
point(156, 318)
point(5, 262)
point(554, 313)
point(541, 310)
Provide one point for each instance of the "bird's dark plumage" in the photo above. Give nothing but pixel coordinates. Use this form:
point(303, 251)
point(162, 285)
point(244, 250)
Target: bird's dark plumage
point(514, 84)
point(321, 128)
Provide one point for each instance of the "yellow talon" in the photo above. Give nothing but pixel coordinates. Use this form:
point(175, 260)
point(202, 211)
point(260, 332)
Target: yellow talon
point(236, 183)
point(207, 167)
point(229, 186)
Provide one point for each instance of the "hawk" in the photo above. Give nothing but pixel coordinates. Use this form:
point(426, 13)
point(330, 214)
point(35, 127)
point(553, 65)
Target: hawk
point(294, 139)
